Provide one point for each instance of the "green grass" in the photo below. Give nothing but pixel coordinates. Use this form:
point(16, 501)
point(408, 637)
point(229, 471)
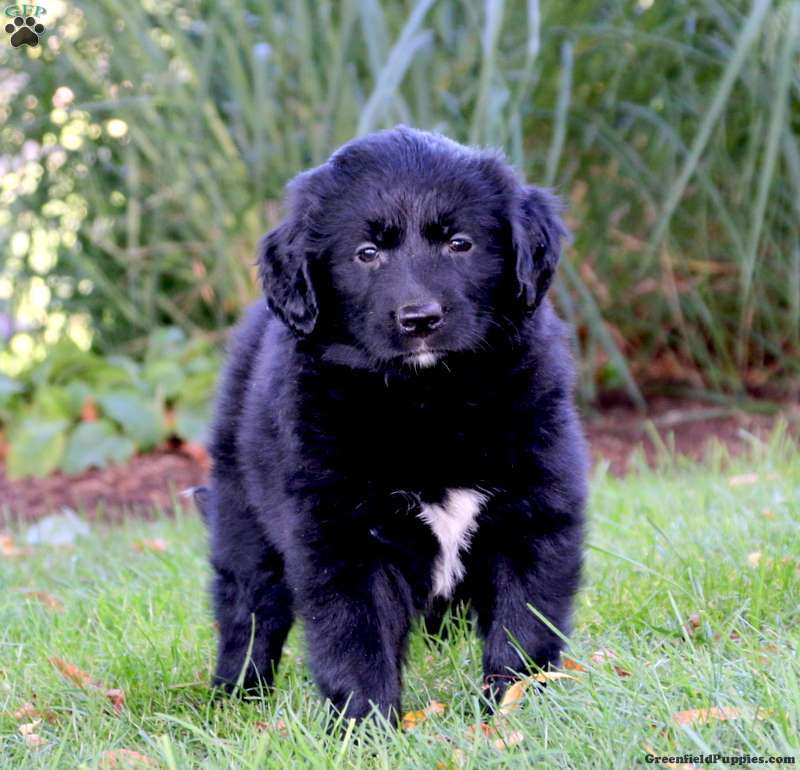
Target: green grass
point(663, 547)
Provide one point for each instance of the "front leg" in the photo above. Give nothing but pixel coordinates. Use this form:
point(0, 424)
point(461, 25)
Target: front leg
point(531, 557)
point(357, 619)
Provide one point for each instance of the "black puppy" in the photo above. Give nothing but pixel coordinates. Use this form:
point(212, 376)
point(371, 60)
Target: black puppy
point(397, 429)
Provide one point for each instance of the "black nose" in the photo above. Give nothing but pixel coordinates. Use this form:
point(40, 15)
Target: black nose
point(420, 319)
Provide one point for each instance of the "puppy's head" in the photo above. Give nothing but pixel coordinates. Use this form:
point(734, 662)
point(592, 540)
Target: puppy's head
point(406, 246)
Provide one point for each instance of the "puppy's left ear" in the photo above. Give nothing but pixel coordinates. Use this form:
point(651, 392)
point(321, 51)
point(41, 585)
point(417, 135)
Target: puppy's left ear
point(283, 265)
point(537, 231)
point(283, 261)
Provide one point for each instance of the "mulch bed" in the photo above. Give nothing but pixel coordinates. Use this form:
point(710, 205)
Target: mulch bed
point(157, 478)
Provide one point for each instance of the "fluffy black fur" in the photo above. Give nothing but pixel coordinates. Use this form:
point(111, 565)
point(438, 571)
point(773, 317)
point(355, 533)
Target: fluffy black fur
point(330, 435)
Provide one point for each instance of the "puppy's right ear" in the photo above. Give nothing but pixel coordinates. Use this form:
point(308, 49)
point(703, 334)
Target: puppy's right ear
point(283, 255)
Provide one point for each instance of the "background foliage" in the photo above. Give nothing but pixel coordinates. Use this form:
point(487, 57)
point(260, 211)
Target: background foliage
point(76, 410)
point(145, 147)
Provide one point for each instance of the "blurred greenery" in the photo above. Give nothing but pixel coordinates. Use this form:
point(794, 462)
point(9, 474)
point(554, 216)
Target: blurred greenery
point(77, 409)
point(145, 146)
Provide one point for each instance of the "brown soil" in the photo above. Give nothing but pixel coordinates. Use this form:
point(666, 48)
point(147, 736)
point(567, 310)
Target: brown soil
point(155, 479)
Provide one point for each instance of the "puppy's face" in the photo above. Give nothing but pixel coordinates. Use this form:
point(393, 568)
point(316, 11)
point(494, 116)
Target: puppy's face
point(406, 247)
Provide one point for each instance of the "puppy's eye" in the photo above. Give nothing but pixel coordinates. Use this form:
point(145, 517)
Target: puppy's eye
point(460, 244)
point(367, 253)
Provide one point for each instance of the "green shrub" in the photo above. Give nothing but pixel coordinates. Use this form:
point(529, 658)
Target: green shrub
point(76, 410)
point(671, 128)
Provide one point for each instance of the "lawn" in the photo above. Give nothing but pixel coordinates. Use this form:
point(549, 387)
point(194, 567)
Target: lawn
point(685, 641)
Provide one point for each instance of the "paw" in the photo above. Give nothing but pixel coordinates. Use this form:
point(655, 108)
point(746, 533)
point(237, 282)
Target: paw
point(24, 31)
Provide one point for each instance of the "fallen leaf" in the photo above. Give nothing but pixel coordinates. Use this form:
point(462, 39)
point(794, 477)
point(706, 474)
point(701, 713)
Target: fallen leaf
point(72, 672)
point(26, 710)
point(768, 514)
point(117, 698)
point(694, 620)
point(279, 727)
point(715, 713)
point(154, 544)
point(29, 711)
point(29, 727)
point(754, 558)
point(48, 600)
point(573, 665)
point(29, 734)
point(513, 695)
point(413, 718)
point(605, 656)
point(512, 739)
point(125, 758)
point(601, 656)
point(743, 480)
point(765, 652)
point(8, 547)
point(115, 695)
point(486, 730)
point(551, 676)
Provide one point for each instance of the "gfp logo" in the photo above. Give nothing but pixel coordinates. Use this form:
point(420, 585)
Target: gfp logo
point(24, 27)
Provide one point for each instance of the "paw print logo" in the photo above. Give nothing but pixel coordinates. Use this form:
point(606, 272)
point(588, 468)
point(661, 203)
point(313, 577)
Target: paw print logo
point(24, 31)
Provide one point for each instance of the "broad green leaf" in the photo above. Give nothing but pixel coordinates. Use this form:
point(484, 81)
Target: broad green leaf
point(191, 422)
point(166, 343)
point(36, 448)
point(53, 402)
point(165, 378)
point(139, 417)
point(93, 445)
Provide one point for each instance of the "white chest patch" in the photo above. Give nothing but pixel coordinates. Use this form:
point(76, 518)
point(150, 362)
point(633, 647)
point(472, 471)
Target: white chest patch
point(453, 521)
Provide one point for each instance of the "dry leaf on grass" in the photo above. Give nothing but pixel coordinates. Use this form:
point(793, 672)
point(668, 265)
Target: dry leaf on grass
point(754, 558)
point(486, 730)
point(121, 759)
point(276, 727)
point(715, 713)
point(34, 740)
point(513, 695)
point(606, 656)
point(29, 727)
point(9, 548)
point(150, 544)
point(573, 665)
point(48, 600)
point(29, 711)
point(511, 739)
point(72, 672)
point(495, 732)
point(30, 736)
point(115, 695)
point(413, 718)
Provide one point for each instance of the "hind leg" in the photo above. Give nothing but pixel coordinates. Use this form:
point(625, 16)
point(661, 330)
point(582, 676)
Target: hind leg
point(252, 602)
